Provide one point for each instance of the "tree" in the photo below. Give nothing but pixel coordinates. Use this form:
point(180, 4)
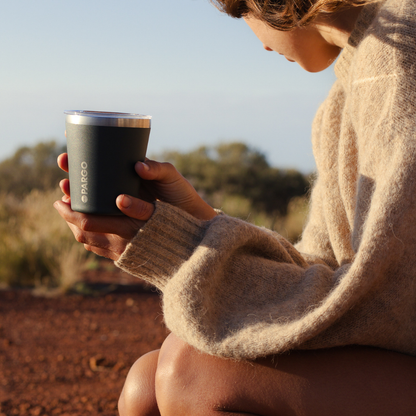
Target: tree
point(31, 168)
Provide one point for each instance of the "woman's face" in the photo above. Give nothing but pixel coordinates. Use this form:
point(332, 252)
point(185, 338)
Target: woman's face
point(306, 46)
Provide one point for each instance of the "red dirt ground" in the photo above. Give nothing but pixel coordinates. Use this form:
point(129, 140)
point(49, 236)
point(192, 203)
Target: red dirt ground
point(69, 355)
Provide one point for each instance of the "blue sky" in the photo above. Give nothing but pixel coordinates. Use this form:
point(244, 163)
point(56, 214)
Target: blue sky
point(203, 76)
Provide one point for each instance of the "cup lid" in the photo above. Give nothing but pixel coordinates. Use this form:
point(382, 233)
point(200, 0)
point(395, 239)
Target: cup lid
point(104, 118)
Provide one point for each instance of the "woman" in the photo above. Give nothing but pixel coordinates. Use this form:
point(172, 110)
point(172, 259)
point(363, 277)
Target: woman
point(263, 327)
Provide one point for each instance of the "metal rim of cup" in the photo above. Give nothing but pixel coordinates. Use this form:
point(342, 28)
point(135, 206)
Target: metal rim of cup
point(109, 119)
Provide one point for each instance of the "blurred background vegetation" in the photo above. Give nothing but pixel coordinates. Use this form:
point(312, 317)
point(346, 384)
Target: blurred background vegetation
point(37, 248)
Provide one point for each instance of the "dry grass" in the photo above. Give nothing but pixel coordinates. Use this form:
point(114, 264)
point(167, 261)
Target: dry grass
point(289, 226)
point(37, 249)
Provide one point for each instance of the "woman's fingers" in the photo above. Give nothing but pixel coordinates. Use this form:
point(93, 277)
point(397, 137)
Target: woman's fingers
point(166, 184)
point(64, 185)
point(63, 161)
point(122, 226)
point(107, 245)
point(102, 252)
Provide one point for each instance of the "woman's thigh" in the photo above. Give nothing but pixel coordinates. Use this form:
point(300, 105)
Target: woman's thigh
point(339, 381)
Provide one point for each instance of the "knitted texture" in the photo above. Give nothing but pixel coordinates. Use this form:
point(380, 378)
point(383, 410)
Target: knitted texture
point(236, 290)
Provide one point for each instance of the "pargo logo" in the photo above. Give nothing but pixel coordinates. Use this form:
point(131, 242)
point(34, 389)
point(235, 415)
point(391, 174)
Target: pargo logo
point(84, 182)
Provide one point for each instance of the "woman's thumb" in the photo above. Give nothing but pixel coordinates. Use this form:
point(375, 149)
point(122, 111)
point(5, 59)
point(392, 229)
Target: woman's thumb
point(134, 207)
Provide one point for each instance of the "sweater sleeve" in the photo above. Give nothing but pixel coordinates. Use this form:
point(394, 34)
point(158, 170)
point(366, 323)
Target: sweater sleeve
point(232, 289)
point(229, 288)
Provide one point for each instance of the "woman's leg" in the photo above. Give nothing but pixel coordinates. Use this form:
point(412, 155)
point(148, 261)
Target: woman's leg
point(349, 381)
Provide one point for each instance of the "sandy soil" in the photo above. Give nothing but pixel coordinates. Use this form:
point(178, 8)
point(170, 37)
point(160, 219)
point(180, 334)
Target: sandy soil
point(69, 355)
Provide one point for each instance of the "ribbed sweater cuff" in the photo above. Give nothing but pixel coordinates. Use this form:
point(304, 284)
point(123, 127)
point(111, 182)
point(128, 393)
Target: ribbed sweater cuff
point(162, 245)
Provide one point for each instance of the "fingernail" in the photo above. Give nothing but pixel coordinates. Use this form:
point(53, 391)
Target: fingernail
point(147, 167)
point(125, 201)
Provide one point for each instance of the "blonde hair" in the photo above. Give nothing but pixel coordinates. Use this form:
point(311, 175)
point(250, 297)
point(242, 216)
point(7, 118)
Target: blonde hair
point(286, 14)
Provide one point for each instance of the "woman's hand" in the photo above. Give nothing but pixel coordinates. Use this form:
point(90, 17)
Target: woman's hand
point(108, 236)
point(161, 181)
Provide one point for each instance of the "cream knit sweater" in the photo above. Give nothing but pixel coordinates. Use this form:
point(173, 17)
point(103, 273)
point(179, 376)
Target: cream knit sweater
point(235, 290)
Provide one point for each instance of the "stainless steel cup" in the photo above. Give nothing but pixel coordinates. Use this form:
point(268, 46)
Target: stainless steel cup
point(103, 148)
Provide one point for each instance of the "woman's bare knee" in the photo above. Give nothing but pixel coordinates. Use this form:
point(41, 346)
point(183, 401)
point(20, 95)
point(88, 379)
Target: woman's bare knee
point(173, 387)
point(138, 395)
point(189, 382)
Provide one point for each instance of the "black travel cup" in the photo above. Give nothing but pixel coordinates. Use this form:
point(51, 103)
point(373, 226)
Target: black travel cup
point(103, 148)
